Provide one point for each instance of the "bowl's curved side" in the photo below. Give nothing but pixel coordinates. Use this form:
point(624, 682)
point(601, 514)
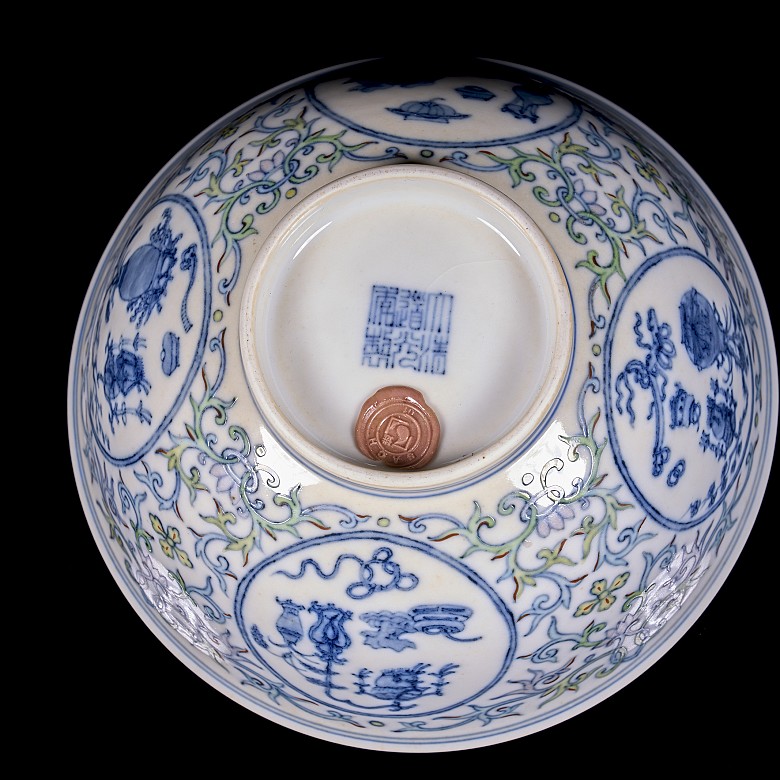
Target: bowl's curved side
point(207, 661)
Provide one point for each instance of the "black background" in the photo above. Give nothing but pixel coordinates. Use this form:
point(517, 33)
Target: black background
point(114, 106)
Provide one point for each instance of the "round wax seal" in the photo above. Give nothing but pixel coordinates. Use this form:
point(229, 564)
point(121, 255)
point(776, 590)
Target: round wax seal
point(397, 427)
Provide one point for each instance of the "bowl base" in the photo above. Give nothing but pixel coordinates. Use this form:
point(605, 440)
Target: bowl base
point(406, 275)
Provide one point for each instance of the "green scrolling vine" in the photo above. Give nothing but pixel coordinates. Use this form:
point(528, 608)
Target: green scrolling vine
point(548, 507)
point(265, 160)
point(560, 177)
point(243, 463)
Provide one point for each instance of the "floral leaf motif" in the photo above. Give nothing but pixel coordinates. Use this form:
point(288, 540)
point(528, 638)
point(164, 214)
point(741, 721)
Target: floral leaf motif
point(183, 557)
point(156, 524)
point(588, 491)
point(605, 596)
point(170, 538)
point(565, 164)
point(508, 550)
point(252, 180)
point(648, 171)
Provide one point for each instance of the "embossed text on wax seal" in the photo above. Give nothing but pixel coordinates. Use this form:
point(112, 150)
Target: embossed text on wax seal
point(397, 427)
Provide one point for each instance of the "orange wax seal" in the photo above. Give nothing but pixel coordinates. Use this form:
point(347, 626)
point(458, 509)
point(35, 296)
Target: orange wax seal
point(397, 427)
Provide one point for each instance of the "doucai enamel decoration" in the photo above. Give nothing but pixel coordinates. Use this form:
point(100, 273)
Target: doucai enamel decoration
point(422, 415)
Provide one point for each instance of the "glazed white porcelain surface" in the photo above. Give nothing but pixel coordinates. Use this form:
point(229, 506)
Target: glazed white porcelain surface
point(564, 291)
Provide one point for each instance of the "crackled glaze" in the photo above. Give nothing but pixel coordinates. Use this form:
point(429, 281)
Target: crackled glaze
point(496, 594)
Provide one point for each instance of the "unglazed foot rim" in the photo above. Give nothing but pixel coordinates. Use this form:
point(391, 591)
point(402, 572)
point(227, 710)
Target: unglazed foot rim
point(406, 275)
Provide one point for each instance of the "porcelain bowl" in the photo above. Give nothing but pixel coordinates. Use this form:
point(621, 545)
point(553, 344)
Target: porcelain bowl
point(421, 412)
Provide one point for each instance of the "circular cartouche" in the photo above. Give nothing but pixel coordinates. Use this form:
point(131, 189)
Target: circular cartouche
point(397, 427)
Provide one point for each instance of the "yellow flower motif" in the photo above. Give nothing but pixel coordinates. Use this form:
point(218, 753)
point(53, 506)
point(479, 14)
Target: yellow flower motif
point(648, 171)
point(169, 540)
point(604, 594)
